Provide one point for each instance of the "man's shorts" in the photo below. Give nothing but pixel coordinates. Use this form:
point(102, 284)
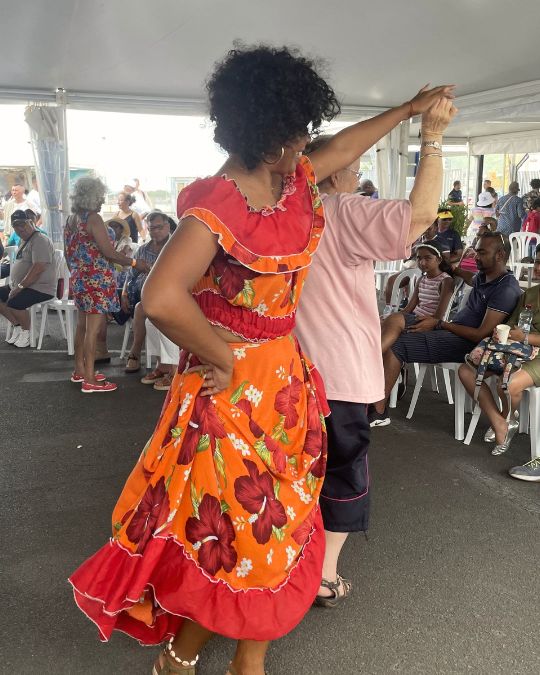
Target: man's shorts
point(434, 346)
point(23, 300)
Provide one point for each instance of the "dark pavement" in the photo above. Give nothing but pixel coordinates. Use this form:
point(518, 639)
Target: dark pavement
point(447, 583)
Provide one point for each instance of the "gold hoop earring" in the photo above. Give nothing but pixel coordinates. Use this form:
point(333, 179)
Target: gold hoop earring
point(276, 161)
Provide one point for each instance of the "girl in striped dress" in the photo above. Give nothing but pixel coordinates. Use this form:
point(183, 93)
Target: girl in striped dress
point(430, 297)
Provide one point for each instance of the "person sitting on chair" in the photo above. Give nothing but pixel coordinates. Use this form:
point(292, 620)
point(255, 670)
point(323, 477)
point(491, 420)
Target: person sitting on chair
point(495, 293)
point(159, 229)
point(33, 278)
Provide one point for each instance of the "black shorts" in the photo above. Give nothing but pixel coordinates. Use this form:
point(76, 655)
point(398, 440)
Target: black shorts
point(345, 493)
point(23, 300)
point(434, 346)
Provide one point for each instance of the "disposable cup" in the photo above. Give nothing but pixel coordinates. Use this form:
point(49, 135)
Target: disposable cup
point(502, 333)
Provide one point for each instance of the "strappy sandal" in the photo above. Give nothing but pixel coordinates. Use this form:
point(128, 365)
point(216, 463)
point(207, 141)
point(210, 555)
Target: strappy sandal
point(341, 589)
point(163, 665)
point(133, 364)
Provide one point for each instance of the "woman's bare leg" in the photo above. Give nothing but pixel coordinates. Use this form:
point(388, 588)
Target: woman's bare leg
point(249, 657)
point(487, 403)
point(334, 544)
point(188, 642)
point(93, 325)
point(79, 342)
point(517, 384)
point(391, 329)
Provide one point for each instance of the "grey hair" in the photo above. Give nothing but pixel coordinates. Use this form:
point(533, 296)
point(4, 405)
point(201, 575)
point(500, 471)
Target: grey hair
point(88, 194)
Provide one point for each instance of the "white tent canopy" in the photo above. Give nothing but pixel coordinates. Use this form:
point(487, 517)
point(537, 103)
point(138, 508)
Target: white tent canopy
point(136, 55)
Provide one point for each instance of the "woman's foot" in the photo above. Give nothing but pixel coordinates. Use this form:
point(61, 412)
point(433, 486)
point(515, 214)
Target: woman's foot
point(77, 377)
point(511, 431)
point(152, 377)
point(133, 364)
point(98, 387)
point(168, 663)
point(164, 383)
point(331, 593)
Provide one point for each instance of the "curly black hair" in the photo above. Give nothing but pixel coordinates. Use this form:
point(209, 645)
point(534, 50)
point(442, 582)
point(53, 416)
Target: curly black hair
point(263, 97)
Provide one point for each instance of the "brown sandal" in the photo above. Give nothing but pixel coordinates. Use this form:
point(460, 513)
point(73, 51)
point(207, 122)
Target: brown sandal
point(341, 589)
point(133, 364)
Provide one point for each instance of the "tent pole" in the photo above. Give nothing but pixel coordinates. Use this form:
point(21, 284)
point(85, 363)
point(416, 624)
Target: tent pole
point(61, 102)
point(468, 171)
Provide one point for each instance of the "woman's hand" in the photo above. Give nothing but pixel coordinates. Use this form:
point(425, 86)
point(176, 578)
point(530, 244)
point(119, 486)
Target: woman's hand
point(142, 266)
point(427, 97)
point(438, 116)
point(216, 378)
point(516, 335)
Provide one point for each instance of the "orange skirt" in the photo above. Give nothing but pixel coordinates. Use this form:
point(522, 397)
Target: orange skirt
point(219, 520)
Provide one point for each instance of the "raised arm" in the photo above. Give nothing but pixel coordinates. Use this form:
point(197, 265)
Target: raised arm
point(96, 227)
point(350, 143)
point(168, 302)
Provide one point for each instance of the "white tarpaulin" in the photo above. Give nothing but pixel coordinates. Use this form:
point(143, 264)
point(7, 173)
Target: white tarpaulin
point(516, 142)
point(48, 143)
point(392, 152)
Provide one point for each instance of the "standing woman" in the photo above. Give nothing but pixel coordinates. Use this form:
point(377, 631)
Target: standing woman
point(132, 218)
point(218, 528)
point(89, 255)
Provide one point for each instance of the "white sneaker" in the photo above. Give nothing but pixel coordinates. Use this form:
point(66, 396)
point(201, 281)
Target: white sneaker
point(14, 335)
point(23, 340)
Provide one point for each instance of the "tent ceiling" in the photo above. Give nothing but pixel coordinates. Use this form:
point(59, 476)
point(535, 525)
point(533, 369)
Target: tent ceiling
point(377, 54)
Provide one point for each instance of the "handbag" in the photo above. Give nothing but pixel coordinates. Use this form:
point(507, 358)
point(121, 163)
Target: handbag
point(499, 358)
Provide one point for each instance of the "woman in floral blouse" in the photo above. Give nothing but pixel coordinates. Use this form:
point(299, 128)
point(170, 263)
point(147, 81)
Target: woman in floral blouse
point(218, 528)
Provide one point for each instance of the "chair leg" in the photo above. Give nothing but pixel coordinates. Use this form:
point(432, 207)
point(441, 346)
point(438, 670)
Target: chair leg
point(127, 331)
point(148, 354)
point(392, 402)
point(33, 319)
point(459, 410)
point(534, 414)
point(524, 408)
point(417, 387)
point(44, 314)
point(448, 386)
point(434, 381)
point(472, 425)
point(70, 331)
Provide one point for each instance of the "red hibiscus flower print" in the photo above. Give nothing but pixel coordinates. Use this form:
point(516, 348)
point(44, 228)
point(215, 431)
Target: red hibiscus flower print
point(279, 457)
point(212, 534)
point(151, 513)
point(303, 531)
point(313, 442)
point(255, 493)
point(204, 422)
point(231, 275)
point(318, 468)
point(245, 406)
point(286, 400)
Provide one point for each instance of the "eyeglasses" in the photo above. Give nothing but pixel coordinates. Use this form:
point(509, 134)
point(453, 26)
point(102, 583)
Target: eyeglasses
point(358, 174)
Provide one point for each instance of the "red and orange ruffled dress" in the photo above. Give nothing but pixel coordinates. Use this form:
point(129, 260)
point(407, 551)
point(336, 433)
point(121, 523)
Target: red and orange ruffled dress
point(219, 519)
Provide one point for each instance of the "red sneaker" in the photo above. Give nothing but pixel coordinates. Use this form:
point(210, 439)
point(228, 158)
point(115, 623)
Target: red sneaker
point(90, 388)
point(75, 377)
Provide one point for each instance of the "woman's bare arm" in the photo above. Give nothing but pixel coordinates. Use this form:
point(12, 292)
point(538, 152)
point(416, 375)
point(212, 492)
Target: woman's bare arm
point(168, 303)
point(350, 143)
point(96, 227)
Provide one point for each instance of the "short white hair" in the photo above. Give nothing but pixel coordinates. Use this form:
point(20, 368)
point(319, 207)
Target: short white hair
point(88, 194)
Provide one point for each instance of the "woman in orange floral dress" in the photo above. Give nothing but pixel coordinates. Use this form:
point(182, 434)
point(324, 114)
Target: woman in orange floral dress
point(218, 528)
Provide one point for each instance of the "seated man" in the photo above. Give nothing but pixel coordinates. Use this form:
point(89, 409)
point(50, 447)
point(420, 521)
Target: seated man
point(159, 230)
point(33, 278)
point(495, 293)
point(448, 237)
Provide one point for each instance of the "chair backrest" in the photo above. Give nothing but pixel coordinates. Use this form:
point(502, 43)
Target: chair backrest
point(518, 248)
point(412, 274)
point(10, 252)
point(388, 265)
point(456, 298)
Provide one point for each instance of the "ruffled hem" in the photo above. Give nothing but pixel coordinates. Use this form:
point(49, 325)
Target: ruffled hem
point(288, 237)
point(114, 580)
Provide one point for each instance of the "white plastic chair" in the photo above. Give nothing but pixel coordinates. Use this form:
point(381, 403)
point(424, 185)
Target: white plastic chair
point(445, 367)
point(61, 305)
point(382, 270)
point(127, 331)
point(10, 253)
point(519, 248)
point(529, 418)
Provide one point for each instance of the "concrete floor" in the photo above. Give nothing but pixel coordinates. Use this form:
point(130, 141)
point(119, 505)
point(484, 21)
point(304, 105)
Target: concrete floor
point(447, 583)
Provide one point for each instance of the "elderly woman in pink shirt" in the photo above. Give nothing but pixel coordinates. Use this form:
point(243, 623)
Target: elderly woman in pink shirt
point(338, 326)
